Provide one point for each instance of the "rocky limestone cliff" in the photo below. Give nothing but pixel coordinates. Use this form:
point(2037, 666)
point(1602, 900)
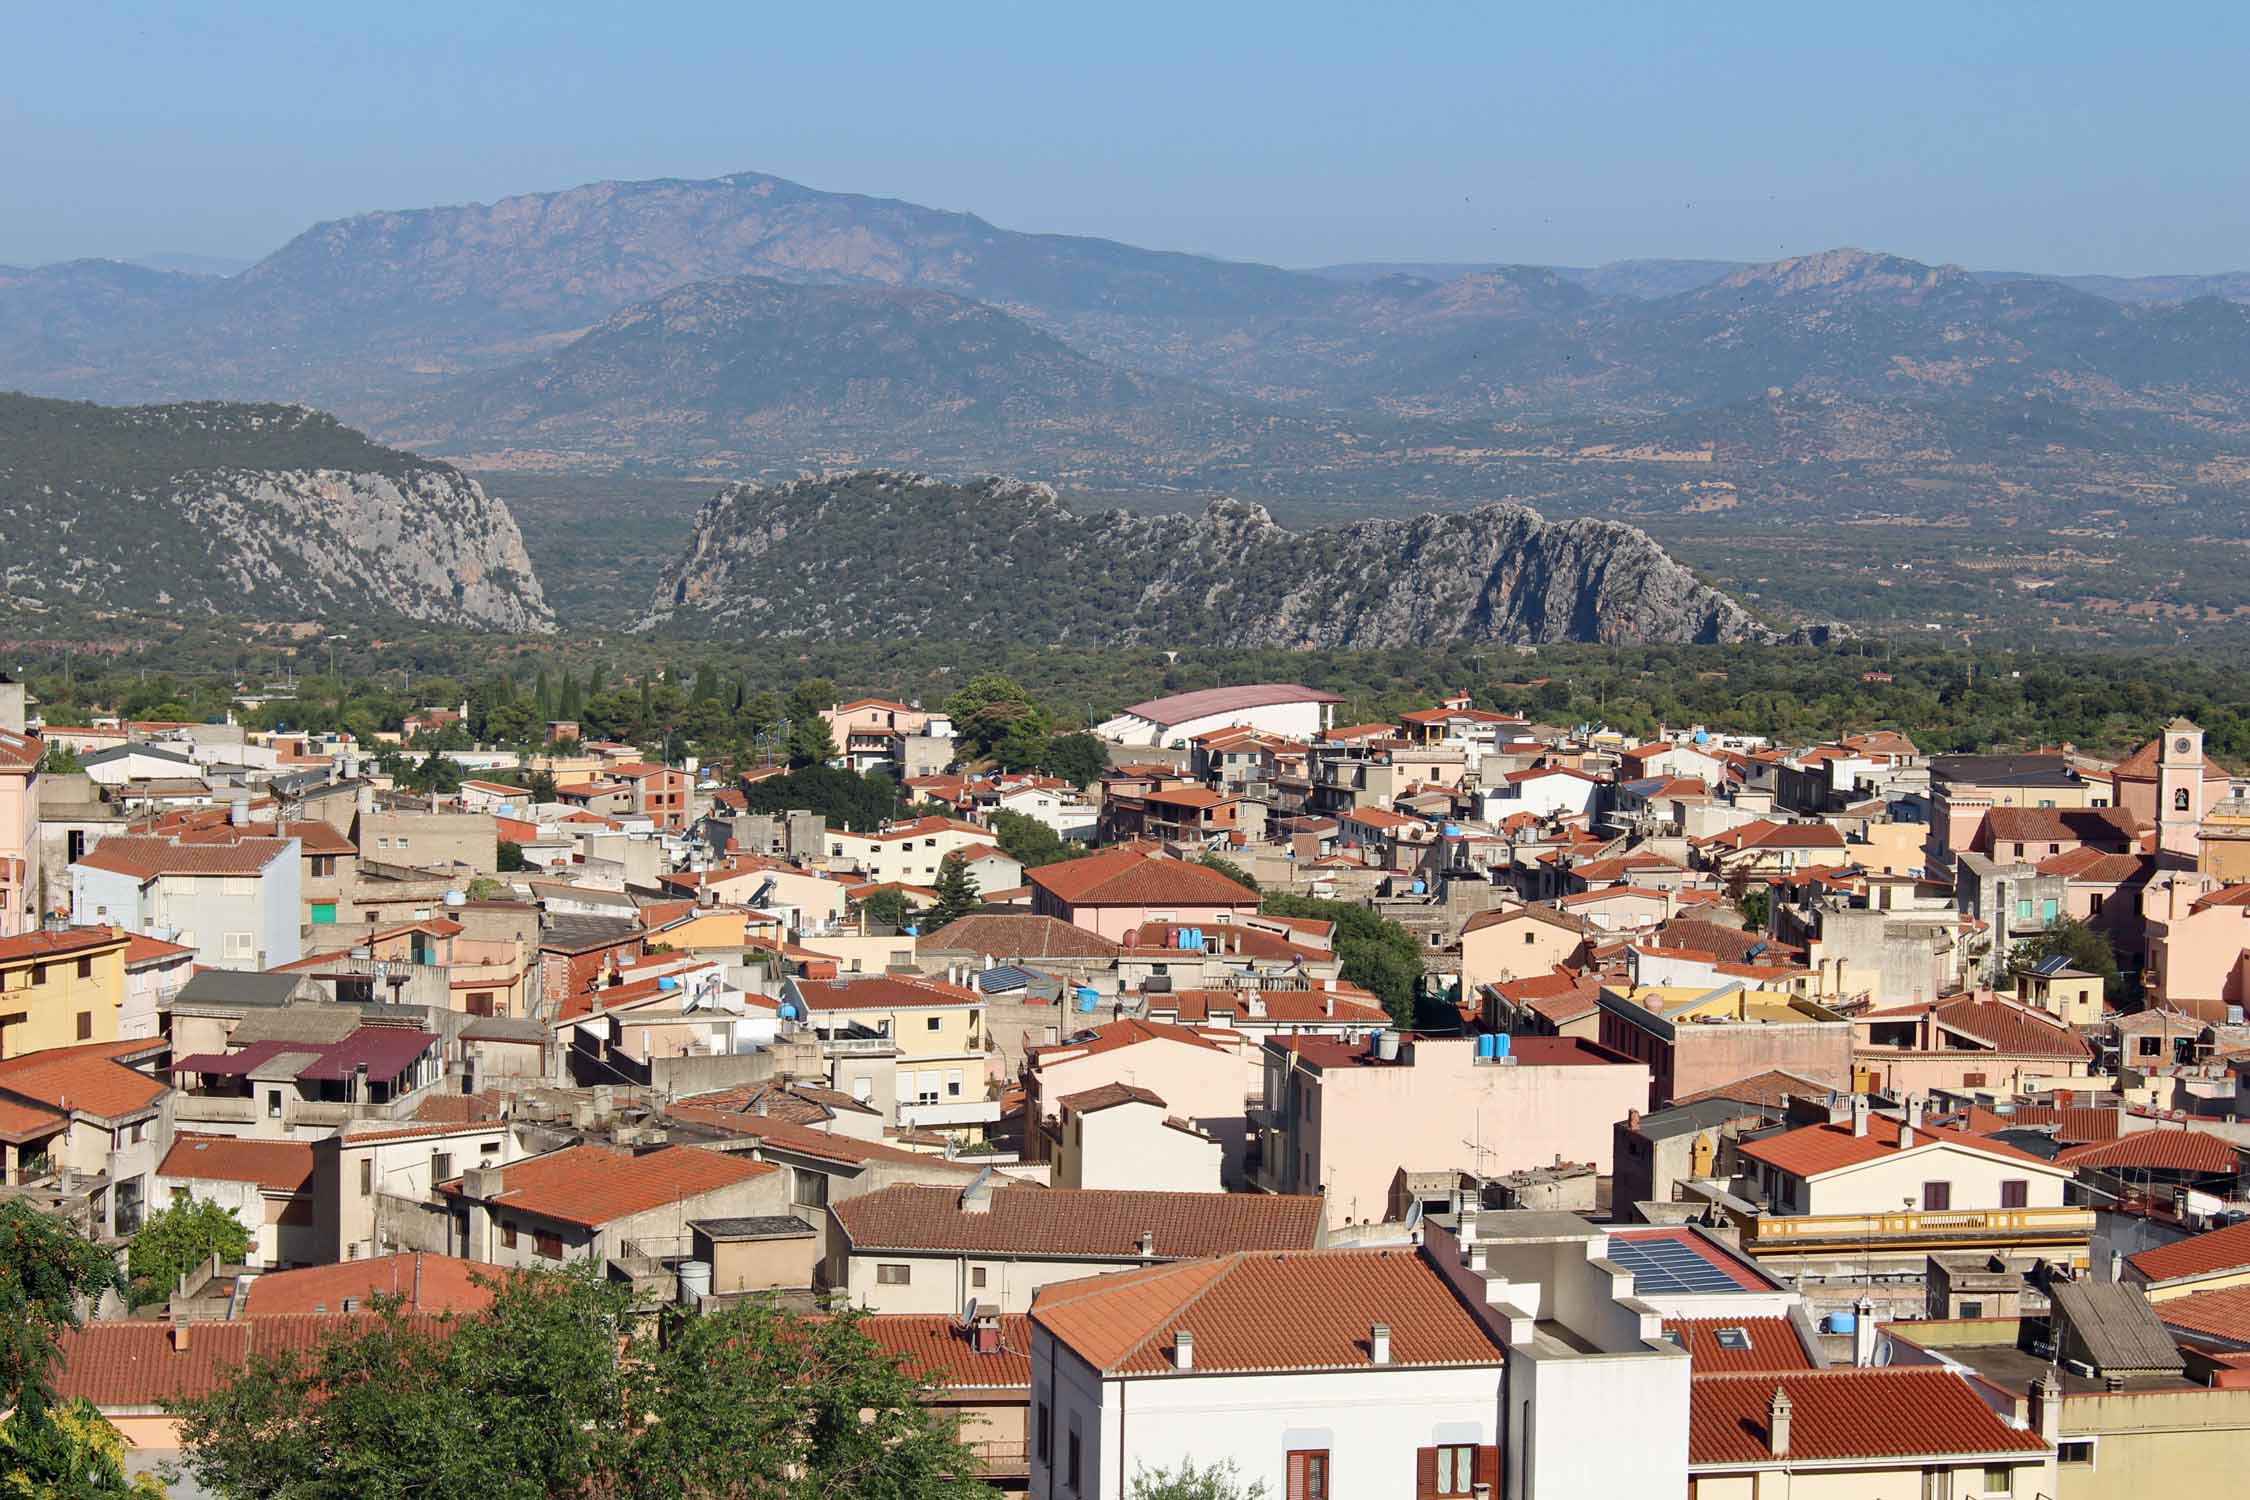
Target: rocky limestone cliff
point(267, 512)
point(885, 554)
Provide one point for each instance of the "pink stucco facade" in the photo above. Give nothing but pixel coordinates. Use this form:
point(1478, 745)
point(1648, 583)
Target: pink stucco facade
point(1341, 1122)
point(1200, 1078)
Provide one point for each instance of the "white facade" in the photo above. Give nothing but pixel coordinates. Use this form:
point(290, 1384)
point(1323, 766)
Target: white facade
point(1546, 793)
point(1068, 817)
point(1290, 718)
point(1136, 1145)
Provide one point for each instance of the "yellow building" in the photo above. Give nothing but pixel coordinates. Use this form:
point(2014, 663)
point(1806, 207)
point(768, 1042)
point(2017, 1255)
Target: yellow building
point(2071, 996)
point(933, 1034)
point(58, 989)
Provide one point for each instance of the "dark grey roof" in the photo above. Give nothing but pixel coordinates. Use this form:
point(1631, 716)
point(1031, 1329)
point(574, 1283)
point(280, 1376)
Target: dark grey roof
point(238, 987)
point(755, 1227)
point(2003, 770)
point(2115, 1325)
point(569, 931)
point(504, 1029)
point(1704, 1114)
point(2039, 1143)
point(132, 748)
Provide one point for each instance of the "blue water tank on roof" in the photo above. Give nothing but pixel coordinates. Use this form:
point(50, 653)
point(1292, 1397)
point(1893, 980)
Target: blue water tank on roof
point(667, 983)
point(1484, 1045)
point(1420, 887)
point(1842, 1322)
point(1088, 997)
point(1501, 1043)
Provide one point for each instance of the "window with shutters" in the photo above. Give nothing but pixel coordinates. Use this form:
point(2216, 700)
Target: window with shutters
point(1308, 1474)
point(1447, 1470)
point(1937, 1197)
point(1046, 1432)
point(2015, 1193)
point(1070, 1467)
point(550, 1246)
point(508, 1234)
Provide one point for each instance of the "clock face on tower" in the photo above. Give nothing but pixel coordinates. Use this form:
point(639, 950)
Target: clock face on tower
point(2183, 744)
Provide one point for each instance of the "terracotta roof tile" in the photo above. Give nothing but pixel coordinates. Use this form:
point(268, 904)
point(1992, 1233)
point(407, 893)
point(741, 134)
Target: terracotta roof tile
point(87, 1079)
point(2223, 1314)
point(1813, 1149)
point(2225, 1249)
point(2008, 1028)
point(805, 1140)
point(1108, 1095)
point(147, 858)
point(1766, 1089)
point(277, 1166)
point(26, 1122)
point(1132, 877)
point(1766, 1344)
point(933, 1346)
point(1264, 1311)
point(1847, 1414)
point(1085, 1222)
point(35, 945)
point(422, 1283)
point(592, 1185)
point(134, 1365)
point(2156, 1150)
point(1119, 1034)
point(883, 992)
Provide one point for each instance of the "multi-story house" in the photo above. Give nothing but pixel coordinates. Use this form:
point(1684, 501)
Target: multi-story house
point(933, 1031)
point(87, 1114)
point(61, 988)
point(239, 905)
point(20, 754)
point(1336, 1115)
point(1693, 1038)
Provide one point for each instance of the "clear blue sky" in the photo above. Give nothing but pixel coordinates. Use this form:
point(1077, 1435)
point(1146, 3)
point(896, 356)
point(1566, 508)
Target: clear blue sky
point(2063, 137)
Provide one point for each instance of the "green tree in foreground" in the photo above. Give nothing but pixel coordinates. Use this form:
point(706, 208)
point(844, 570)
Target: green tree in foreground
point(526, 1400)
point(1756, 905)
point(887, 909)
point(173, 1240)
point(957, 893)
point(50, 1448)
point(1217, 1481)
point(2079, 945)
point(1077, 758)
point(1376, 953)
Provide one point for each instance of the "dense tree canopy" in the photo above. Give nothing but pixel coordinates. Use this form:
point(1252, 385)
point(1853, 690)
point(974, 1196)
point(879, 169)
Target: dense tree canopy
point(179, 1237)
point(1377, 954)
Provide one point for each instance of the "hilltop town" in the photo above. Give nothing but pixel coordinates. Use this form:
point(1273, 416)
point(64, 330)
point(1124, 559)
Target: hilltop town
point(1369, 1104)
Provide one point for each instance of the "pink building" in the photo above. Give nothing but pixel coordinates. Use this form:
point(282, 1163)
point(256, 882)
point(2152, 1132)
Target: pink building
point(1342, 1118)
point(1200, 1078)
point(2198, 945)
point(19, 831)
point(1113, 893)
point(1963, 1044)
point(2169, 783)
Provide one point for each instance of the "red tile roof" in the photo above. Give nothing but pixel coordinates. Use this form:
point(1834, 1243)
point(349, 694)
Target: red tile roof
point(2156, 1150)
point(1768, 1089)
point(884, 992)
point(422, 1282)
point(1108, 1095)
point(2087, 825)
point(147, 858)
point(1183, 707)
point(592, 1185)
point(1844, 1414)
point(1813, 1149)
point(933, 1346)
point(1119, 1034)
point(36, 945)
point(141, 949)
point(2006, 1027)
point(87, 1079)
point(139, 1366)
point(1133, 877)
point(2223, 1314)
point(2075, 1124)
point(20, 1122)
point(2225, 1249)
point(276, 1166)
point(804, 1140)
point(1772, 1345)
point(1093, 1223)
point(1258, 1312)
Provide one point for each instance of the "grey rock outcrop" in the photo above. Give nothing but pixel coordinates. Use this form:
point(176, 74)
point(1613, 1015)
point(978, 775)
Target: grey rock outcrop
point(888, 554)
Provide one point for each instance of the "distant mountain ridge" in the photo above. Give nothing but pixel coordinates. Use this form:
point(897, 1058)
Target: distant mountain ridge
point(225, 509)
point(1002, 559)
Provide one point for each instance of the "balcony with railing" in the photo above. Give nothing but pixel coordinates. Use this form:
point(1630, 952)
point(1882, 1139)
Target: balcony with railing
point(1803, 1234)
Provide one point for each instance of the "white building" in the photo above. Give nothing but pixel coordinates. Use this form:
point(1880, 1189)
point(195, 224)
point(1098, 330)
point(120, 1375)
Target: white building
point(1122, 1136)
point(1281, 708)
point(1502, 1363)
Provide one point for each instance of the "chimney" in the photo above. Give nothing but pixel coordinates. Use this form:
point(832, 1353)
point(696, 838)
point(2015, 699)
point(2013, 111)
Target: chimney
point(1467, 1232)
point(1183, 1350)
point(238, 810)
point(1859, 1115)
point(1905, 1137)
point(1863, 1332)
point(1914, 1110)
point(1148, 1243)
point(179, 1336)
point(2046, 1407)
point(985, 1338)
point(1778, 1413)
point(1379, 1344)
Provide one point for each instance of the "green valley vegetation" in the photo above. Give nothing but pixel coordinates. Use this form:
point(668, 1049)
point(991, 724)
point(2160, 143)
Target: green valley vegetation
point(558, 1388)
point(1032, 843)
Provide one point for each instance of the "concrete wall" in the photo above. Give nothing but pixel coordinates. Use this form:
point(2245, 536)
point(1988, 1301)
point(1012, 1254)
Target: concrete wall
point(1203, 1085)
point(944, 1283)
point(1131, 1146)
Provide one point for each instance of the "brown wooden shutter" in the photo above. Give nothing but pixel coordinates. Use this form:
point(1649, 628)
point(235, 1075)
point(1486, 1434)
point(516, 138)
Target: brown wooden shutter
point(1296, 1476)
point(1425, 1473)
point(1488, 1468)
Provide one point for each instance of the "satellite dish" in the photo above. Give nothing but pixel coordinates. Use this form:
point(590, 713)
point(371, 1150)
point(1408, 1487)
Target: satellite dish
point(969, 1314)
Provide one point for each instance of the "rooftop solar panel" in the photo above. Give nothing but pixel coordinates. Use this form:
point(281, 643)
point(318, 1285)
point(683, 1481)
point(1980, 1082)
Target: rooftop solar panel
point(1669, 1266)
